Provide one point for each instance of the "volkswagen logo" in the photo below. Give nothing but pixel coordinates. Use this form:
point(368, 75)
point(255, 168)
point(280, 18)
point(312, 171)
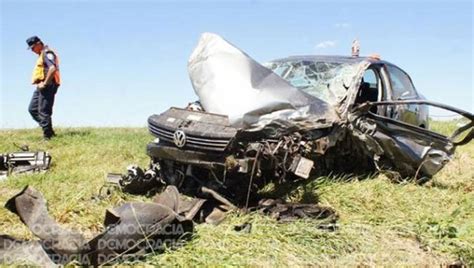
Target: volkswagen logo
point(179, 138)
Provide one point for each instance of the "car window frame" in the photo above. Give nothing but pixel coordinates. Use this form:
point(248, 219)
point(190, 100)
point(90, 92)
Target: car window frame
point(373, 68)
point(385, 93)
point(386, 82)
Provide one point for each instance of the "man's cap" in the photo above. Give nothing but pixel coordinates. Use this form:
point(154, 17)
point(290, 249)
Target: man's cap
point(32, 41)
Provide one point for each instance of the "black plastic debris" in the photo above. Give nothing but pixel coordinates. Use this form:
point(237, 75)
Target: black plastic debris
point(284, 212)
point(131, 230)
point(243, 228)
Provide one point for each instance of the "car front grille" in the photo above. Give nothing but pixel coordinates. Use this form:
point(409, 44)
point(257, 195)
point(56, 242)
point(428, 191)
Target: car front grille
point(195, 142)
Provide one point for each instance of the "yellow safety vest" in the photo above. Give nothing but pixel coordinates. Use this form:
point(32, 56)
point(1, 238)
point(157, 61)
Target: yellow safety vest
point(39, 72)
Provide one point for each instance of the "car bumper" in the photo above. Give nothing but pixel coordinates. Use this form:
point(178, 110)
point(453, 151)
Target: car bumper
point(166, 152)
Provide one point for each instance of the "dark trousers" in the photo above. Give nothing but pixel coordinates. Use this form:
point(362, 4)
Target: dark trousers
point(41, 108)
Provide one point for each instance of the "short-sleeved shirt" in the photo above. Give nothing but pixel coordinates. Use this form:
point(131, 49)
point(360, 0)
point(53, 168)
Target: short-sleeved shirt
point(49, 59)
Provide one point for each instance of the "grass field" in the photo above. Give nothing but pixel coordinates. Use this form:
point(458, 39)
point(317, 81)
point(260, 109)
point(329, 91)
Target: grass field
point(381, 222)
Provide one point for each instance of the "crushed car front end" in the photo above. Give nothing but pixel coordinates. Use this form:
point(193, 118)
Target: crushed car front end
point(194, 148)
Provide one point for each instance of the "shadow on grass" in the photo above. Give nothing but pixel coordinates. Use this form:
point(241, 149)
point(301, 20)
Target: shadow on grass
point(73, 133)
point(307, 188)
point(441, 185)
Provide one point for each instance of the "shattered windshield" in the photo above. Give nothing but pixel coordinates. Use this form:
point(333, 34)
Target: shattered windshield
point(327, 81)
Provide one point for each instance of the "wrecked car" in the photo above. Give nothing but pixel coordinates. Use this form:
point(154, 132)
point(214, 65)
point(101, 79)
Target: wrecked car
point(291, 119)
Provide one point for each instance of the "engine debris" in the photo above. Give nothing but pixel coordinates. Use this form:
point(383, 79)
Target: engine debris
point(23, 162)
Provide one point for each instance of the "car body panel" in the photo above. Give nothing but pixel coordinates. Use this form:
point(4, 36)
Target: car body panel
point(229, 82)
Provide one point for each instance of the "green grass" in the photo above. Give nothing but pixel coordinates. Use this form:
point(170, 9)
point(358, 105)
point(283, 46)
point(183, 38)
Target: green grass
point(381, 222)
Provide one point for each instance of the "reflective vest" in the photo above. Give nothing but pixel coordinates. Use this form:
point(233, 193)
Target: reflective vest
point(40, 70)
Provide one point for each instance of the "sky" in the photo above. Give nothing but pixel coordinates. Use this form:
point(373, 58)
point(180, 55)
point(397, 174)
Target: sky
point(122, 61)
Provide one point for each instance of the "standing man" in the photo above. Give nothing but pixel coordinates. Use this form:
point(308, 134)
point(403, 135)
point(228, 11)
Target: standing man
point(46, 78)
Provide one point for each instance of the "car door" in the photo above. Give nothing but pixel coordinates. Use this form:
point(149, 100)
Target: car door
point(406, 148)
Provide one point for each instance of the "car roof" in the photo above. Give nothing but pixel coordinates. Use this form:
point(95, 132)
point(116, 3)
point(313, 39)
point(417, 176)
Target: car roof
point(330, 58)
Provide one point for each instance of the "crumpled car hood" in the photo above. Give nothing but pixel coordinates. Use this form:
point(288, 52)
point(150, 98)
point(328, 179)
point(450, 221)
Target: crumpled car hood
point(229, 82)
